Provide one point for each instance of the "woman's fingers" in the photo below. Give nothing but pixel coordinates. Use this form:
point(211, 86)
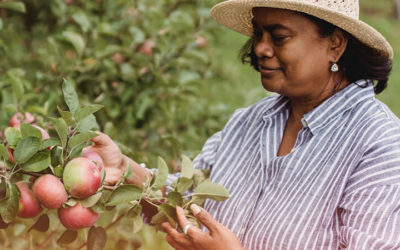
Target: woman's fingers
point(192, 231)
point(113, 176)
point(205, 218)
point(102, 139)
point(176, 239)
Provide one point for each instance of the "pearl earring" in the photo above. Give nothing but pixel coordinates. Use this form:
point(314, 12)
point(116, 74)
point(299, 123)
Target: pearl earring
point(334, 67)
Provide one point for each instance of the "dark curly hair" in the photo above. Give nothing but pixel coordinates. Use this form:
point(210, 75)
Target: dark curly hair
point(358, 60)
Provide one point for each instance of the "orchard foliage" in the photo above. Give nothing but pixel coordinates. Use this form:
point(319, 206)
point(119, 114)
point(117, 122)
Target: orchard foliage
point(144, 61)
point(50, 180)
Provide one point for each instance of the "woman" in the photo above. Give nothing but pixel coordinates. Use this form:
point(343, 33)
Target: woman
point(316, 166)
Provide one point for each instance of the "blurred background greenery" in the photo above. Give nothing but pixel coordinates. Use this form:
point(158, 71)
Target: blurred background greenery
point(168, 75)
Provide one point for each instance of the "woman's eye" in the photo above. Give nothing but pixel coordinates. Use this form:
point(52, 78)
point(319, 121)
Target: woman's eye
point(257, 34)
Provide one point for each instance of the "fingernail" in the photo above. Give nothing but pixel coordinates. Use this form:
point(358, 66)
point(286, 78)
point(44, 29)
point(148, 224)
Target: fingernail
point(195, 209)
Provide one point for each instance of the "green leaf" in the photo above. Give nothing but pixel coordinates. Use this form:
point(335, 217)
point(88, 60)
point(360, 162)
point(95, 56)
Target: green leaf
point(137, 223)
point(124, 194)
point(61, 128)
point(67, 116)
point(175, 198)
point(170, 212)
point(4, 152)
point(42, 224)
point(9, 206)
point(58, 171)
point(83, 21)
point(70, 96)
point(161, 176)
point(159, 218)
point(67, 237)
point(187, 167)
point(29, 130)
point(51, 142)
point(91, 200)
point(26, 148)
point(135, 210)
point(183, 184)
point(84, 112)
point(81, 138)
point(13, 136)
point(211, 190)
point(16, 6)
point(97, 238)
point(87, 124)
point(56, 156)
point(38, 162)
point(17, 85)
point(76, 40)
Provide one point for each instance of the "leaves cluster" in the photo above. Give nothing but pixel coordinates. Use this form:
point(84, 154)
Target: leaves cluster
point(70, 133)
point(97, 46)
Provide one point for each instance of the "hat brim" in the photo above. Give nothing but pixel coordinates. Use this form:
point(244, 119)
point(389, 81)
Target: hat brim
point(237, 15)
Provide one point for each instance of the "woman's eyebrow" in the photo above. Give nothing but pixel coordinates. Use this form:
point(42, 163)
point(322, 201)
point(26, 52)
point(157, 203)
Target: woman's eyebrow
point(271, 27)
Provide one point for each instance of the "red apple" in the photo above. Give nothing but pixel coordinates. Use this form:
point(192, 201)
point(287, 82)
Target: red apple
point(94, 157)
point(77, 217)
point(147, 48)
point(81, 178)
point(201, 42)
point(18, 118)
point(45, 135)
point(50, 191)
point(118, 58)
point(29, 206)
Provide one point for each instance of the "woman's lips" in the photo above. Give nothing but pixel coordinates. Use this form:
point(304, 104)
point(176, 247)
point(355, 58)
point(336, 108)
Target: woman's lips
point(267, 71)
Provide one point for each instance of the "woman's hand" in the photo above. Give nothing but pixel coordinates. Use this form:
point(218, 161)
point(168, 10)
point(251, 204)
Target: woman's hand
point(218, 238)
point(112, 157)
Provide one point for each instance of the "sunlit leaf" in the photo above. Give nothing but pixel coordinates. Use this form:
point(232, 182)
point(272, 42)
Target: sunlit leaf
point(76, 40)
point(211, 190)
point(9, 206)
point(70, 96)
point(84, 112)
point(81, 138)
point(161, 176)
point(61, 128)
point(187, 167)
point(124, 194)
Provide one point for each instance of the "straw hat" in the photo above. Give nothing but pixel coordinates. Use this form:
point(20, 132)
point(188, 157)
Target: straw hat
point(237, 15)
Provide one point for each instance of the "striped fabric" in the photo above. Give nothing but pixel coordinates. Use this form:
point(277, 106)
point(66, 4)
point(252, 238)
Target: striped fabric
point(339, 188)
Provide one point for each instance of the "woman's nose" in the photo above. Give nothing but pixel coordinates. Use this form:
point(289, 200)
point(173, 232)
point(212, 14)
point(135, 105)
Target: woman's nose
point(263, 47)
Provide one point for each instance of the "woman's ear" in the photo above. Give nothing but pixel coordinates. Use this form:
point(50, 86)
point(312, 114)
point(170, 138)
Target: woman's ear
point(338, 44)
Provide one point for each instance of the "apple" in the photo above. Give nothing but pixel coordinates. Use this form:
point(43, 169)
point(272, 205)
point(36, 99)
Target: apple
point(29, 206)
point(50, 191)
point(94, 157)
point(18, 118)
point(118, 58)
point(147, 48)
point(77, 217)
point(45, 135)
point(201, 42)
point(81, 178)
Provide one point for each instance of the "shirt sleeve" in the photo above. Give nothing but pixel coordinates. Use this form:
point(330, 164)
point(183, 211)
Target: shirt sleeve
point(370, 207)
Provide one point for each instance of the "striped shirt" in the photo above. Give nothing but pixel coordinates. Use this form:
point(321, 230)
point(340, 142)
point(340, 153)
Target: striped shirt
point(339, 188)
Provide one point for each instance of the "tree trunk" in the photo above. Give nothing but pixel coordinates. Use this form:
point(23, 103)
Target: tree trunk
point(397, 7)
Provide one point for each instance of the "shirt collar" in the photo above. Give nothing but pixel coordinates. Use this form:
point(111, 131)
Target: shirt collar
point(343, 100)
point(330, 109)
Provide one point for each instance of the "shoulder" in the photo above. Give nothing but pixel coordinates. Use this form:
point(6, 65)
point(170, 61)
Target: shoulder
point(254, 112)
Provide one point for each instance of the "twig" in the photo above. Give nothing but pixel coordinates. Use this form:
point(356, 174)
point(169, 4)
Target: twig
point(46, 239)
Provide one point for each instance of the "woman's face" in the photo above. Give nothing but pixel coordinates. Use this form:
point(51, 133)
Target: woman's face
point(293, 59)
